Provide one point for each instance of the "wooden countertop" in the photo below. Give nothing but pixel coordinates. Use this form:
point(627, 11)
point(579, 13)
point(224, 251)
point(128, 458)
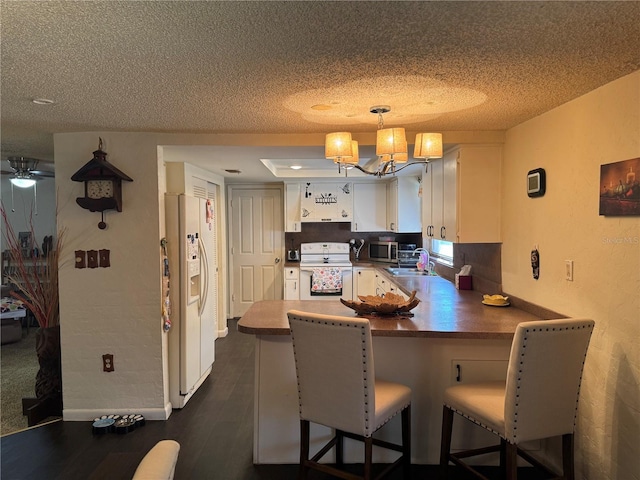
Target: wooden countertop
point(444, 312)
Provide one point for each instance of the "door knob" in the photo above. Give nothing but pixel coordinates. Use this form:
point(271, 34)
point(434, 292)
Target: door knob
point(277, 259)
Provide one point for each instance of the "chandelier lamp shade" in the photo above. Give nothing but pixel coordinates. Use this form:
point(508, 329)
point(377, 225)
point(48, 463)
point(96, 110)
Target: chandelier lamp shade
point(391, 148)
point(428, 145)
point(391, 142)
point(339, 147)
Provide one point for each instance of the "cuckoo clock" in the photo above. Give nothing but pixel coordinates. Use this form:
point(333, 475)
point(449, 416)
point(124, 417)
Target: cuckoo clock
point(102, 185)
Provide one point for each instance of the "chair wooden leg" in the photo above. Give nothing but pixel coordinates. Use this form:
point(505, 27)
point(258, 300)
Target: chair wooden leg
point(368, 457)
point(406, 442)
point(503, 458)
point(511, 461)
point(339, 448)
point(567, 457)
point(304, 449)
point(445, 441)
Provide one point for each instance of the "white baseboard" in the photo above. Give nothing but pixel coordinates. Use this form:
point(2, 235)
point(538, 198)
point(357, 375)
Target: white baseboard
point(86, 415)
point(223, 333)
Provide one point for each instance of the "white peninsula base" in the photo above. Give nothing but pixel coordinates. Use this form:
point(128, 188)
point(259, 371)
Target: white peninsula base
point(427, 365)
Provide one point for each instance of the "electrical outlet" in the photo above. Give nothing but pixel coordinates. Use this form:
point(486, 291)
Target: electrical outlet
point(107, 362)
point(568, 270)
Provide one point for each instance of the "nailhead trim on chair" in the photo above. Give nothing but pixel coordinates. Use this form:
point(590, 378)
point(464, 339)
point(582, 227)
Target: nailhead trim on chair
point(476, 422)
point(366, 393)
point(514, 438)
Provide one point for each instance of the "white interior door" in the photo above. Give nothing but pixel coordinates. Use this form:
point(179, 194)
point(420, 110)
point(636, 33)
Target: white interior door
point(255, 246)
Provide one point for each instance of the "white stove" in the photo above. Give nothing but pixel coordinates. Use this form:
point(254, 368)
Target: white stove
point(319, 254)
point(325, 271)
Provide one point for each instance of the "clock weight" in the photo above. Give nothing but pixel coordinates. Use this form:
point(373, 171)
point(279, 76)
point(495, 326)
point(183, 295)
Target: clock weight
point(102, 225)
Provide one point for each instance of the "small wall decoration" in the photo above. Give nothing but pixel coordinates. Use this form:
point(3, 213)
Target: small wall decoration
point(102, 185)
point(620, 188)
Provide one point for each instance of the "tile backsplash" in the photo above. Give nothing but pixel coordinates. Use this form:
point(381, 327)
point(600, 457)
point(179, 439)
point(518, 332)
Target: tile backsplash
point(341, 232)
point(485, 261)
point(484, 258)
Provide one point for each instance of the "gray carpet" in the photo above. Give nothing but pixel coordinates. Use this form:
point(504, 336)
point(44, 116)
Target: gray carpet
point(18, 368)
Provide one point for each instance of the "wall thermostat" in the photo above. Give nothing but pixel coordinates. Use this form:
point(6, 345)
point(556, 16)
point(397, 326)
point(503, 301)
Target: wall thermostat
point(536, 182)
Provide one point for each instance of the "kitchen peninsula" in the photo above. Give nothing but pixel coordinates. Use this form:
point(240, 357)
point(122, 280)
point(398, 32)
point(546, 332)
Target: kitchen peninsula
point(451, 337)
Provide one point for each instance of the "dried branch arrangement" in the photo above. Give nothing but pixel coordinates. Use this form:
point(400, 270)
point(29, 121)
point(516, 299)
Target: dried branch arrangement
point(34, 277)
point(390, 304)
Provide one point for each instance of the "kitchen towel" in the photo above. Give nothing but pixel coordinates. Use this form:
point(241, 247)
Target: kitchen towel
point(326, 280)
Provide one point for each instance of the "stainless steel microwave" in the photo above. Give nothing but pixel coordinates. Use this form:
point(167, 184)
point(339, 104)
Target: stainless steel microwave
point(383, 251)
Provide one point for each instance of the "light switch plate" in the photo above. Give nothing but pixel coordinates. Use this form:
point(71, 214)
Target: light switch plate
point(80, 259)
point(92, 258)
point(568, 270)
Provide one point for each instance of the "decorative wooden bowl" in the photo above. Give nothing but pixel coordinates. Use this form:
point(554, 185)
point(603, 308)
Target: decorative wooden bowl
point(390, 304)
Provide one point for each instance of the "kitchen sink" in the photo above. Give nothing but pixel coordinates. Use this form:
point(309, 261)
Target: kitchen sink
point(408, 272)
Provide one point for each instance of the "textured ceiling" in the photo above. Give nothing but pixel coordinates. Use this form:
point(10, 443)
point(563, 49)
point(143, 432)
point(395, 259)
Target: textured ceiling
point(259, 67)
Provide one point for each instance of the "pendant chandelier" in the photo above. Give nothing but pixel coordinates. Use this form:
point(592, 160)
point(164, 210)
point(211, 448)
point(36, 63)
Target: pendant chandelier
point(391, 148)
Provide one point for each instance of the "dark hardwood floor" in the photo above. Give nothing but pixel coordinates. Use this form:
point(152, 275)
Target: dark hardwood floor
point(215, 432)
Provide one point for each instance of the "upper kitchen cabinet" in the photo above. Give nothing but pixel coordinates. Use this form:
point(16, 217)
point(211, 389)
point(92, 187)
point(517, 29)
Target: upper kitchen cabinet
point(461, 195)
point(403, 205)
point(326, 202)
point(369, 207)
point(292, 207)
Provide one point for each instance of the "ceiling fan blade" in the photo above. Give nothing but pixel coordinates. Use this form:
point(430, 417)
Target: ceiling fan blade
point(43, 173)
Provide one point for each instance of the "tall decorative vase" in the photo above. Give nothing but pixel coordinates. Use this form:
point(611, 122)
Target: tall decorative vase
point(49, 376)
point(48, 400)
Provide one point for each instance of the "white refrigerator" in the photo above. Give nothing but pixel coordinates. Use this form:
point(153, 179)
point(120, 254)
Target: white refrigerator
point(190, 235)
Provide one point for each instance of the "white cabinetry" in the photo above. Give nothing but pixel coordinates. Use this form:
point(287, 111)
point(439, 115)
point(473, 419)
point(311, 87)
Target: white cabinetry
point(369, 207)
point(393, 288)
point(403, 205)
point(326, 202)
point(292, 207)
point(462, 203)
point(382, 284)
point(364, 281)
point(291, 283)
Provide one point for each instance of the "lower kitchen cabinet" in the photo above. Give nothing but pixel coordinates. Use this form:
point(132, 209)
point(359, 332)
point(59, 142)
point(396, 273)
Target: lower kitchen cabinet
point(291, 283)
point(364, 281)
point(382, 284)
point(393, 288)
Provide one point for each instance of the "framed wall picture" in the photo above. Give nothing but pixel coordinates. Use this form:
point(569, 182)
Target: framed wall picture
point(620, 188)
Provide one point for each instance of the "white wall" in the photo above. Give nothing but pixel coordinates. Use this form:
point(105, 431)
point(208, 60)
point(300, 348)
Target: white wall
point(114, 310)
point(571, 142)
point(25, 205)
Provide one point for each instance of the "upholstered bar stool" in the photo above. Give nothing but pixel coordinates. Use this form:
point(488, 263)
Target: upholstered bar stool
point(539, 399)
point(337, 388)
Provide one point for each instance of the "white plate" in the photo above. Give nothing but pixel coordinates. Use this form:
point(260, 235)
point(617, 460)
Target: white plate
point(496, 304)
